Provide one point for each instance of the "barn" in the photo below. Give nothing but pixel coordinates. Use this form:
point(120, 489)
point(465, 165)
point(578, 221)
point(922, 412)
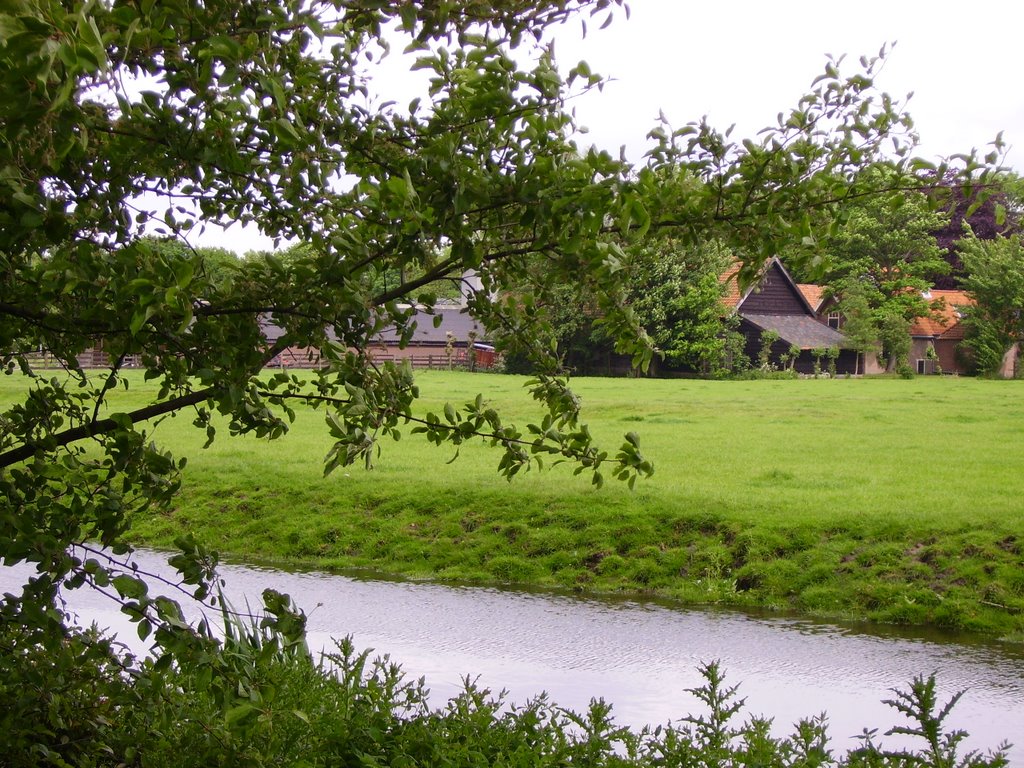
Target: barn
point(775, 303)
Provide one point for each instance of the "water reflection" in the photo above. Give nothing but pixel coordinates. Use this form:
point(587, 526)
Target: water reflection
point(640, 656)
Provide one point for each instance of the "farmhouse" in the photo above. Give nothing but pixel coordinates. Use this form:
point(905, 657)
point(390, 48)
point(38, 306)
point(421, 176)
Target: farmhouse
point(446, 335)
point(936, 338)
point(428, 347)
point(776, 304)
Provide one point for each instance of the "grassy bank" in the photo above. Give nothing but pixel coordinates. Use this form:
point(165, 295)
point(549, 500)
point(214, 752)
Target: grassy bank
point(887, 500)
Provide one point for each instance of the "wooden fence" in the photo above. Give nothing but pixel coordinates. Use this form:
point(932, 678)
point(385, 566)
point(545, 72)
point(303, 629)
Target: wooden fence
point(89, 359)
point(437, 361)
point(433, 361)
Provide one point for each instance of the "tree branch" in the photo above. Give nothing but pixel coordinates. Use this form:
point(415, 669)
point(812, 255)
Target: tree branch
point(93, 428)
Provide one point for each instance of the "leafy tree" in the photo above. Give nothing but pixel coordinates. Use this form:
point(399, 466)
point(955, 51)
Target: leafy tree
point(885, 253)
point(988, 210)
point(218, 266)
point(794, 354)
point(995, 280)
point(832, 355)
point(859, 323)
point(894, 337)
point(764, 355)
point(120, 119)
point(677, 295)
point(817, 353)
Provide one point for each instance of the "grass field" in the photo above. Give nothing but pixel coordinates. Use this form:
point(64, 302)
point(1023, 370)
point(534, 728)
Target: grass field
point(879, 499)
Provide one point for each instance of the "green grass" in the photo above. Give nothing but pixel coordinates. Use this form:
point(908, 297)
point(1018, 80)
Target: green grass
point(878, 499)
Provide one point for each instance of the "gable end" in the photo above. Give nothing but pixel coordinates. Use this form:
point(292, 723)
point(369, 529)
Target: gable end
point(775, 294)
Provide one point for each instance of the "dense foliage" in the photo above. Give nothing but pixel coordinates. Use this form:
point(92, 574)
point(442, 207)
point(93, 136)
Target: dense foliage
point(348, 708)
point(674, 292)
point(882, 262)
point(995, 280)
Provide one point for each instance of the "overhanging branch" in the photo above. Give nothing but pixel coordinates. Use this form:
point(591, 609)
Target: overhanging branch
point(25, 451)
point(93, 428)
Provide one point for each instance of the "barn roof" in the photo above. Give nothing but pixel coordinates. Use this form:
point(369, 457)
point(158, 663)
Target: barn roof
point(454, 320)
point(943, 323)
point(802, 330)
point(813, 294)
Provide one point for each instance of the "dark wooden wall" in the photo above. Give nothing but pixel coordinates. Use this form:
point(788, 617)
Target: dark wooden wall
point(774, 296)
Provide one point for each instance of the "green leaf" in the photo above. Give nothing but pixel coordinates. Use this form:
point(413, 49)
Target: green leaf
point(140, 317)
point(241, 714)
point(287, 132)
point(131, 587)
point(184, 270)
point(123, 420)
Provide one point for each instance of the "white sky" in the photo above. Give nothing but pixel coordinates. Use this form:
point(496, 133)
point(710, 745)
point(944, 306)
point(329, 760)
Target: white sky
point(744, 61)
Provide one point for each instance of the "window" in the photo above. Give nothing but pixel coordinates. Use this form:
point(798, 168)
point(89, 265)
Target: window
point(833, 320)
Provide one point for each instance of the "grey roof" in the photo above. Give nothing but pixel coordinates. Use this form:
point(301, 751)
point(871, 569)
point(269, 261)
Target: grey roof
point(804, 331)
point(454, 320)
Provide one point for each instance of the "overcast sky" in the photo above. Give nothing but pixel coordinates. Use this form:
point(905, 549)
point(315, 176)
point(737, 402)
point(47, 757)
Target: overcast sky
point(744, 61)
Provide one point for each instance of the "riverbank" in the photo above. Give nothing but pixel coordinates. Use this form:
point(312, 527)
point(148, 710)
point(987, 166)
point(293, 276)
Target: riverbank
point(883, 500)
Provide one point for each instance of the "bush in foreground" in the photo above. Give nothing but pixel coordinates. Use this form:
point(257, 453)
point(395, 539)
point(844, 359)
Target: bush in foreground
point(259, 698)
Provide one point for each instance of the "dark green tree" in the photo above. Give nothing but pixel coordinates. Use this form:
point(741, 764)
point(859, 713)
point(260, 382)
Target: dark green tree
point(677, 295)
point(860, 325)
point(894, 338)
point(218, 266)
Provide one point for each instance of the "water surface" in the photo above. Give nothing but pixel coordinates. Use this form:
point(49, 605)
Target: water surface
point(640, 656)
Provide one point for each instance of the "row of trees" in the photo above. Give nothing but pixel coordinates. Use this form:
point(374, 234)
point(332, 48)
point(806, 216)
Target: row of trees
point(889, 254)
point(674, 292)
point(890, 250)
point(879, 262)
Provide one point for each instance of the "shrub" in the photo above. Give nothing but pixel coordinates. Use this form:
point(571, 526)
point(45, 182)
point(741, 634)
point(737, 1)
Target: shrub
point(258, 698)
point(62, 698)
point(904, 371)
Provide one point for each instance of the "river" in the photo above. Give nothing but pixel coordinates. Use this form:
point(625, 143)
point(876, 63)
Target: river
point(640, 656)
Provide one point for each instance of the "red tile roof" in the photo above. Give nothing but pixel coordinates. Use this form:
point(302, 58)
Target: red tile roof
point(944, 322)
point(812, 293)
point(731, 280)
